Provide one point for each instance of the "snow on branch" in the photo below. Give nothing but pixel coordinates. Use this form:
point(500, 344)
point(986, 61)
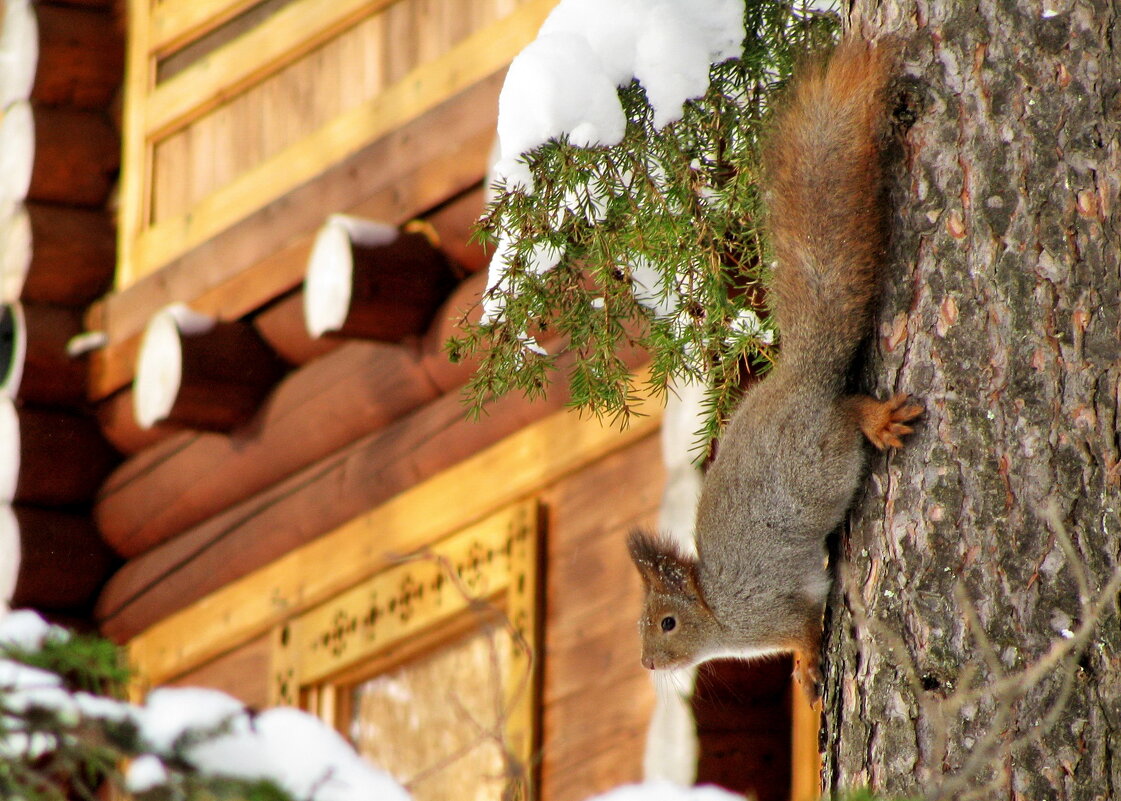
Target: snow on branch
point(627, 212)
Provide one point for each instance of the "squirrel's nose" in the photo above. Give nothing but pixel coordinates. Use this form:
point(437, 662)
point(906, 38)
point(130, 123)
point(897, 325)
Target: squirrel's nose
point(648, 662)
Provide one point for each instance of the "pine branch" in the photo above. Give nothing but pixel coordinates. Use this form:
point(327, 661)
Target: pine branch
point(656, 242)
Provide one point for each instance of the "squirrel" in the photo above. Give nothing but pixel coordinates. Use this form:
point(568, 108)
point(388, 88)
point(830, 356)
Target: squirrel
point(792, 456)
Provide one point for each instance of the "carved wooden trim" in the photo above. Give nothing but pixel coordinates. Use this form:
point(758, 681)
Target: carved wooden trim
point(486, 571)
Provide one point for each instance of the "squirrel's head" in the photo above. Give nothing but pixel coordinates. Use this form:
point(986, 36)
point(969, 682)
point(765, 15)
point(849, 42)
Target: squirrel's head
point(677, 627)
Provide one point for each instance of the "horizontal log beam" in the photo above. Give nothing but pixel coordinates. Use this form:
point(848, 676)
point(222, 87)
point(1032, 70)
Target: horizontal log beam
point(151, 593)
point(81, 57)
point(34, 364)
point(63, 562)
point(116, 416)
point(73, 254)
point(282, 326)
point(50, 458)
point(77, 154)
point(314, 412)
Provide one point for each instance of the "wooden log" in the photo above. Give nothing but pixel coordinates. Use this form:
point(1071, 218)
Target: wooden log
point(19, 51)
point(464, 301)
point(81, 57)
point(282, 326)
point(63, 562)
point(77, 154)
point(454, 223)
point(73, 254)
point(51, 458)
point(301, 508)
point(200, 373)
point(116, 416)
point(17, 151)
point(368, 280)
point(15, 250)
point(314, 412)
point(34, 364)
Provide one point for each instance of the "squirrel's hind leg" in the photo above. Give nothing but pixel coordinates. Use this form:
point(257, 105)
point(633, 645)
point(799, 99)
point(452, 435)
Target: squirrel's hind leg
point(884, 422)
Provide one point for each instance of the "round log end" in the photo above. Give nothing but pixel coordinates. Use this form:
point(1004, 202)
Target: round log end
point(17, 151)
point(15, 251)
point(9, 450)
point(19, 51)
point(9, 554)
point(328, 283)
point(159, 370)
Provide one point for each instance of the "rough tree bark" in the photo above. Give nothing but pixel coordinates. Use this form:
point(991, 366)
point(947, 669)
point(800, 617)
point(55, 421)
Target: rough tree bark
point(1002, 315)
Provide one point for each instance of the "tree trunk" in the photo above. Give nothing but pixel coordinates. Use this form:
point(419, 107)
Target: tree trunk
point(960, 659)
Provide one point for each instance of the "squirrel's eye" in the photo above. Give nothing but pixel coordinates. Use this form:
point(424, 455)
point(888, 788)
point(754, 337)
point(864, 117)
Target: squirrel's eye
point(668, 623)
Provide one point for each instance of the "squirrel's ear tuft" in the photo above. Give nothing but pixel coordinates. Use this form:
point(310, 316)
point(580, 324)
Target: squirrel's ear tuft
point(662, 566)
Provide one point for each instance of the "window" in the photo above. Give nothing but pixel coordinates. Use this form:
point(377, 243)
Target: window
point(430, 666)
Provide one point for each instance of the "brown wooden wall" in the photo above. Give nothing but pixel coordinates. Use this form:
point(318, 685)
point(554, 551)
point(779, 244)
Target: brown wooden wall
point(596, 698)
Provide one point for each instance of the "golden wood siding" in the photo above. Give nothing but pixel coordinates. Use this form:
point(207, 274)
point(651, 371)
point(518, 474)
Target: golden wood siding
point(269, 110)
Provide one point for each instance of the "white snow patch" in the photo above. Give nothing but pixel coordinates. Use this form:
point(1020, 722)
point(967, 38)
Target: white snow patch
point(144, 773)
point(649, 288)
point(26, 629)
point(172, 712)
point(299, 753)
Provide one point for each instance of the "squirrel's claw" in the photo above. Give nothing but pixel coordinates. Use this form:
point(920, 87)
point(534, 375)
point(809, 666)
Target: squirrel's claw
point(884, 422)
point(809, 676)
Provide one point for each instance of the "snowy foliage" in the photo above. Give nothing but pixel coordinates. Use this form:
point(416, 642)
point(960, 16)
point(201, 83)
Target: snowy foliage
point(59, 731)
point(628, 211)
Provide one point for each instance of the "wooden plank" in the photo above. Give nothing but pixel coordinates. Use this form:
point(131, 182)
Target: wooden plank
point(412, 169)
point(555, 447)
point(243, 673)
point(174, 21)
point(470, 61)
point(805, 760)
point(136, 154)
point(283, 38)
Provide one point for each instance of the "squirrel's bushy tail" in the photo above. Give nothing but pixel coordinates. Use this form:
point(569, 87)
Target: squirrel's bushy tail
point(827, 222)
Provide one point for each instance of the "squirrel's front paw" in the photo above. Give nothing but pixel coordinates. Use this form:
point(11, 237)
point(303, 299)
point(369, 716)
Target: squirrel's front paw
point(884, 422)
point(807, 673)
